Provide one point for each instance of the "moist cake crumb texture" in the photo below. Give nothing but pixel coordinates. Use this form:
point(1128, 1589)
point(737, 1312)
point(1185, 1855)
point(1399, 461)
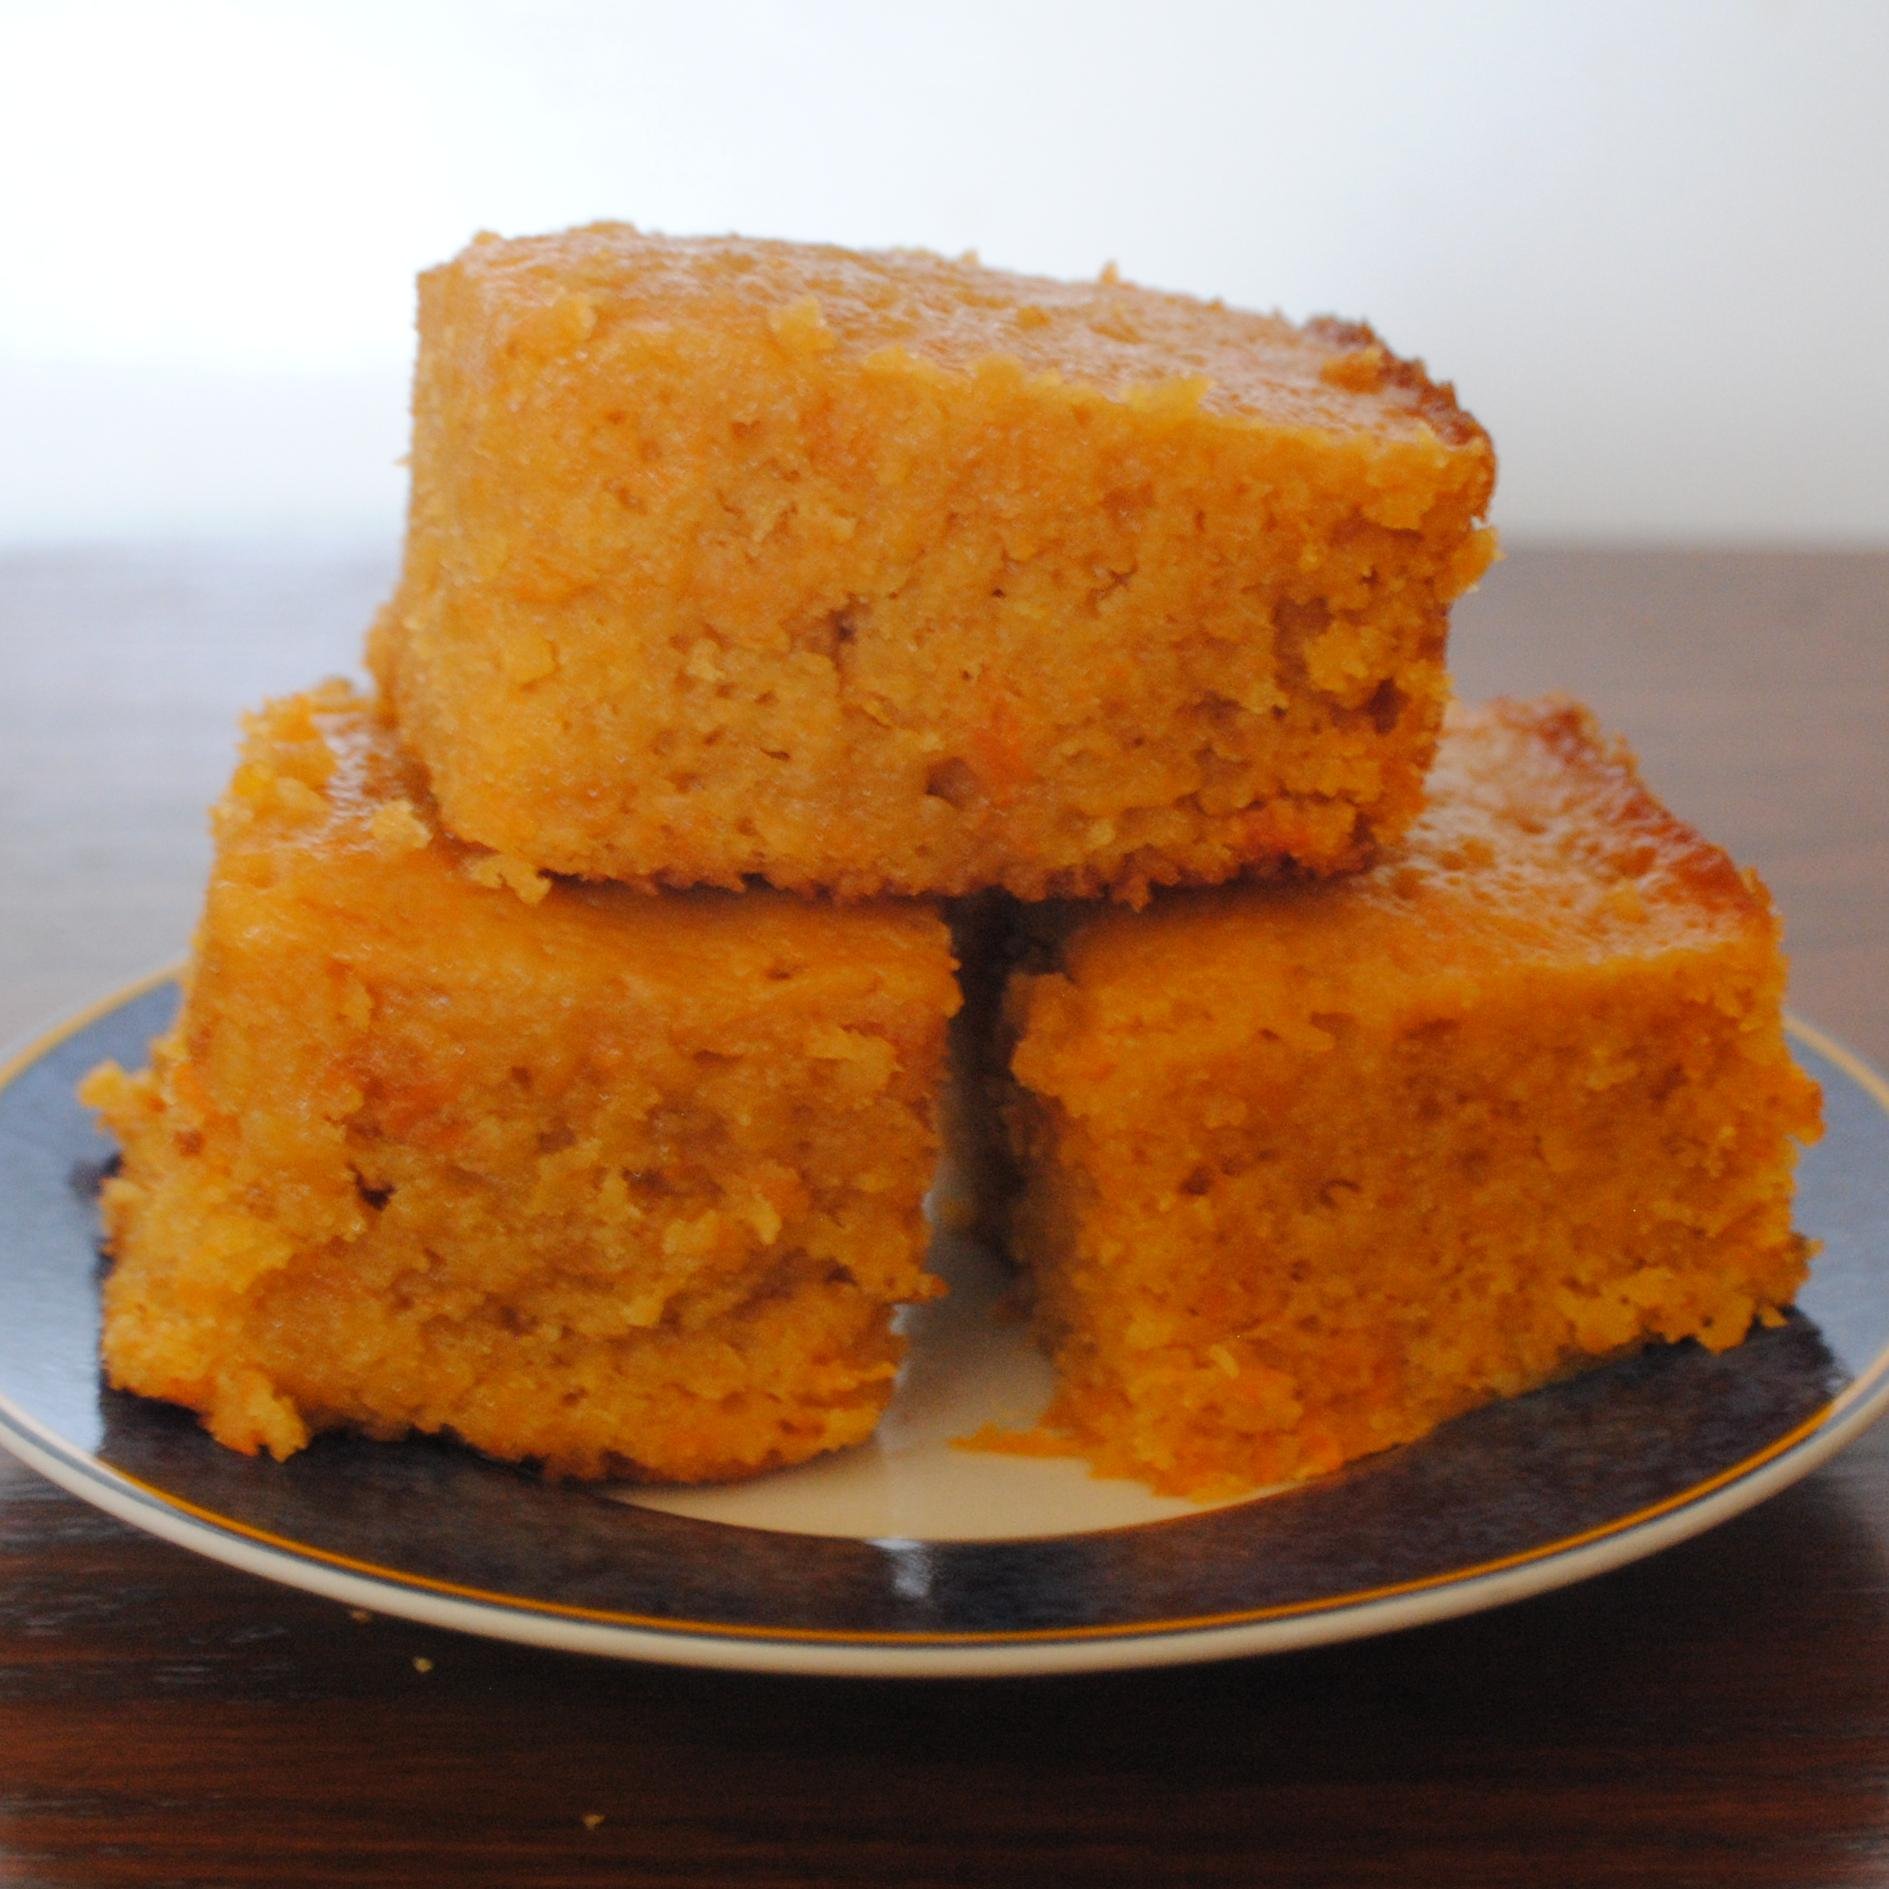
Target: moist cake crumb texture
point(620, 1185)
point(1307, 1170)
point(564, 1048)
point(886, 573)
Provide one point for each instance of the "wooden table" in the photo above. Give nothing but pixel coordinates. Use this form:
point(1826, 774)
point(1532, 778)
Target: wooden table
point(1717, 1715)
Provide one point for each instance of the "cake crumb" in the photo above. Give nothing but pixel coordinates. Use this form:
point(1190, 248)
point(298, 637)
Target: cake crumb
point(360, 1616)
point(802, 325)
point(592, 1818)
point(421, 1664)
point(396, 826)
point(1358, 370)
point(507, 872)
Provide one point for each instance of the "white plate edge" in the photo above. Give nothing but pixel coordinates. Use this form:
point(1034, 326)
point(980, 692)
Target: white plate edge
point(1445, 1597)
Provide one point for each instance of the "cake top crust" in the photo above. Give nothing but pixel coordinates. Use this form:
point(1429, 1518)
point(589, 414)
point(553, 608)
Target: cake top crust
point(325, 802)
point(1110, 335)
point(1540, 846)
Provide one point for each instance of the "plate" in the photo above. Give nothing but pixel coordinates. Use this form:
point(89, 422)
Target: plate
point(910, 1556)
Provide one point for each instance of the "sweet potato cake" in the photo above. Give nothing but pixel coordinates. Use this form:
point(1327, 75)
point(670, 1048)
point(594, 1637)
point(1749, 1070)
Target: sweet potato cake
point(1308, 1169)
point(885, 573)
point(627, 1186)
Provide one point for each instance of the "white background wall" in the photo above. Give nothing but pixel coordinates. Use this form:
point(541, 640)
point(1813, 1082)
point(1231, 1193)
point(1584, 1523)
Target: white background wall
point(1647, 240)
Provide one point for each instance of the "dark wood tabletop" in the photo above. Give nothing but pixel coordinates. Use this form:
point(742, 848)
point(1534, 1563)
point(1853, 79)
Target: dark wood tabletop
point(1717, 1715)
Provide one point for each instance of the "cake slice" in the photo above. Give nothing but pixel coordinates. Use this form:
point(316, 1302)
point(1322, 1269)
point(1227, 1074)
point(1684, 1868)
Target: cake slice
point(1307, 1170)
point(886, 573)
point(619, 1184)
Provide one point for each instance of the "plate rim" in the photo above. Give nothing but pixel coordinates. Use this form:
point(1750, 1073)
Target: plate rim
point(1284, 1627)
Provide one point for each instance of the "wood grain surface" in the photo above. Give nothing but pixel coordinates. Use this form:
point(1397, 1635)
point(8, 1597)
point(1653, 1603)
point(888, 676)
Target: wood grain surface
point(1719, 1715)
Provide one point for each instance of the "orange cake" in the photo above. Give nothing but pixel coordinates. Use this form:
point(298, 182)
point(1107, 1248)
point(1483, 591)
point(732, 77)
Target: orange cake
point(626, 1186)
point(885, 573)
point(1308, 1169)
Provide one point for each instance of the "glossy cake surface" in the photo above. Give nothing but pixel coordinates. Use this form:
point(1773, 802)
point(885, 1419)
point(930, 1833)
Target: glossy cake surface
point(618, 1184)
point(869, 573)
point(1307, 1170)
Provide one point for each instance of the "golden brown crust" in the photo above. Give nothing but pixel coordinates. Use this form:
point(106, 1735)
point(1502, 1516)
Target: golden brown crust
point(1540, 843)
point(1115, 336)
point(1366, 363)
point(1652, 841)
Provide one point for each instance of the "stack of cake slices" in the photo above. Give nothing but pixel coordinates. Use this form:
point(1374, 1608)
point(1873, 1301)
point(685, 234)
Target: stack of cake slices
point(561, 1060)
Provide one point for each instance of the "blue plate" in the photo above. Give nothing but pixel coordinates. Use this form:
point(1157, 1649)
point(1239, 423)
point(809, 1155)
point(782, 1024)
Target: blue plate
point(1511, 1500)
